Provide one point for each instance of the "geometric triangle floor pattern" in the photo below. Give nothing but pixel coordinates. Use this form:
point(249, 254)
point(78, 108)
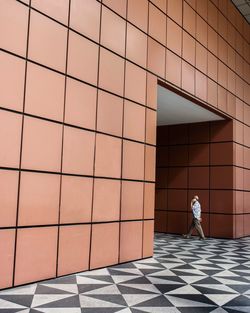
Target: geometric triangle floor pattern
point(184, 276)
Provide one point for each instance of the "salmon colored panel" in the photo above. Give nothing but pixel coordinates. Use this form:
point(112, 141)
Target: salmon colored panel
point(12, 86)
point(111, 72)
point(135, 83)
point(157, 24)
point(222, 74)
point(161, 4)
point(222, 49)
point(7, 246)
point(221, 131)
point(156, 57)
point(239, 226)
point(35, 254)
point(231, 58)
point(222, 201)
point(246, 178)
point(221, 153)
point(104, 246)
point(151, 91)
point(199, 154)
point(113, 31)
point(198, 177)
point(212, 17)
point(149, 200)
point(80, 107)
point(130, 241)
point(173, 68)
point(221, 177)
point(200, 86)
point(212, 66)
point(78, 151)
point(108, 156)
point(56, 9)
point(178, 177)
point(241, 179)
point(231, 34)
point(133, 160)
point(44, 92)
point(189, 19)
point(188, 77)
point(177, 200)
point(109, 115)
point(240, 134)
point(246, 157)
point(239, 88)
point(14, 26)
point(201, 58)
point(162, 156)
point(174, 37)
point(221, 225)
point(178, 155)
point(134, 121)
point(150, 163)
point(8, 197)
point(178, 134)
point(222, 98)
point(151, 126)
point(82, 58)
point(201, 30)
point(239, 155)
point(106, 204)
point(74, 243)
point(161, 174)
point(119, 6)
point(192, 3)
point(42, 143)
point(177, 222)
point(85, 17)
point(10, 138)
point(76, 199)
point(136, 48)
point(188, 48)
point(138, 13)
point(148, 239)
point(212, 92)
point(246, 202)
point(39, 199)
point(132, 200)
point(222, 22)
point(47, 42)
point(160, 221)
point(175, 10)
point(202, 8)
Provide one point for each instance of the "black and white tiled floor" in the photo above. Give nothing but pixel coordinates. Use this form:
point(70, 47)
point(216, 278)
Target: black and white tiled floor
point(185, 275)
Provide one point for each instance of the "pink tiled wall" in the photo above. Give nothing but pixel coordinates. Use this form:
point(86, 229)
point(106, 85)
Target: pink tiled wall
point(78, 114)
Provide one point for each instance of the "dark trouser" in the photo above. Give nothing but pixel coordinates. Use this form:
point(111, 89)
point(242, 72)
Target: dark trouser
point(197, 225)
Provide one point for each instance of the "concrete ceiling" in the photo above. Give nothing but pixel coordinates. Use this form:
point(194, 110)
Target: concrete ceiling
point(244, 7)
point(174, 109)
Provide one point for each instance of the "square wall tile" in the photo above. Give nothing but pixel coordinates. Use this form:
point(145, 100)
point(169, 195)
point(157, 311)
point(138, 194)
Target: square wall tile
point(198, 177)
point(14, 27)
point(76, 199)
point(177, 177)
point(151, 91)
point(138, 13)
point(105, 245)
point(199, 154)
point(133, 160)
point(162, 177)
point(74, 243)
point(199, 133)
point(42, 143)
point(177, 222)
point(38, 199)
point(113, 30)
point(150, 163)
point(221, 153)
point(119, 6)
point(149, 200)
point(82, 58)
point(221, 177)
point(47, 42)
point(44, 92)
point(156, 58)
point(160, 221)
point(178, 155)
point(174, 37)
point(157, 24)
point(188, 73)
point(177, 200)
point(131, 200)
point(12, 86)
point(148, 239)
point(8, 197)
point(111, 72)
point(108, 148)
point(175, 10)
point(177, 134)
point(151, 122)
point(7, 239)
point(35, 254)
point(78, 151)
point(11, 127)
point(135, 83)
point(188, 48)
point(221, 225)
point(130, 241)
point(59, 10)
point(221, 131)
point(222, 201)
point(106, 203)
point(85, 17)
point(136, 46)
point(80, 107)
point(173, 68)
point(134, 121)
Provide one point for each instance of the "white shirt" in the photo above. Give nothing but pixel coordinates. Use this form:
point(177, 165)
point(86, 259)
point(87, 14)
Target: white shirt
point(196, 210)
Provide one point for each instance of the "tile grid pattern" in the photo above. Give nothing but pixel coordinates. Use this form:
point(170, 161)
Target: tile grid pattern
point(183, 276)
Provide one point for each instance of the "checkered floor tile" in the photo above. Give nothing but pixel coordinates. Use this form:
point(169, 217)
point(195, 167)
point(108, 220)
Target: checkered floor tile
point(185, 276)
